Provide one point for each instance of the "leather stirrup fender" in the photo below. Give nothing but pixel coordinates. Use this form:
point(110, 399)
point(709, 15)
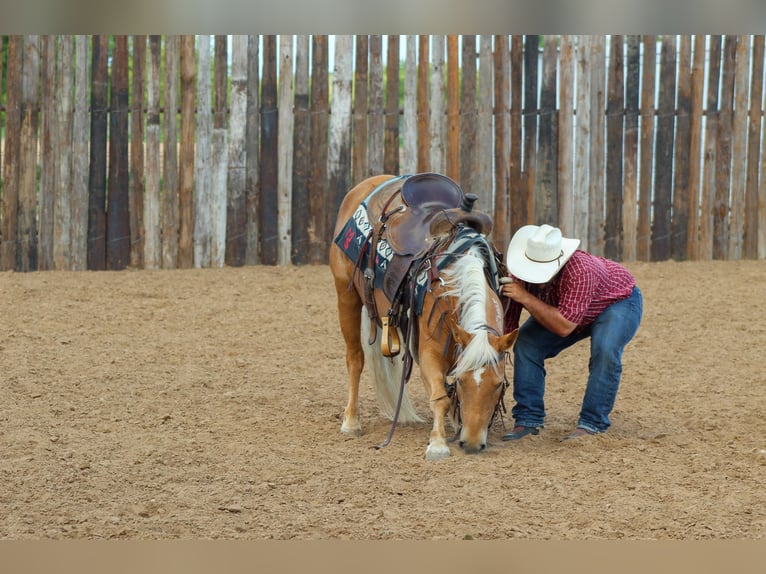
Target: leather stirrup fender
point(389, 341)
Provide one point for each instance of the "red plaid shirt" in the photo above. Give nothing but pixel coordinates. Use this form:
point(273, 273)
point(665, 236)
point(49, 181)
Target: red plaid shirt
point(585, 286)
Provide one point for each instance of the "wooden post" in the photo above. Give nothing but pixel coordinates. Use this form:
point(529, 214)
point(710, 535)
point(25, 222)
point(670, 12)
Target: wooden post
point(410, 115)
point(236, 204)
point(375, 121)
point(253, 153)
point(468, 128)
point(501, 228)
point(530, 110)
point(546, 183)
point(203, 165)
point(80, 144)
point(565, 161)
point(647, 148)
point(723, 152)
point(118, 201)
point(630, 191)
point(597, 151)
point(48, 146)
point(136, 174)
point(361, 81)
point(695, 143)
point(170, 181)
point(391, 154)
point(580, 205)
point(318, 183)
point(269, 206)
point(663, 190)
point(520, 214)
point(339, 152)
point(711, 138)
point(62, 229)
point(285, 121)
point(10, 189)
point(300, 209)
point(438, 104)
point(739, 148)
point(453, 109)
point(27, 255)
point(186, 182)
point(424, 111)
point(754, 151)
point(220, 157)
point(152, 253)
point(679, 222)
point(484, 178)
point(615, 115)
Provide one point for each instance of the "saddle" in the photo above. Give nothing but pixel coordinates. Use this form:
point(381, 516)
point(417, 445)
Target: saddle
point(411, 216)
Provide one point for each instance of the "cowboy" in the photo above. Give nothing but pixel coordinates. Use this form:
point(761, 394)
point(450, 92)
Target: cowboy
point(570, 295)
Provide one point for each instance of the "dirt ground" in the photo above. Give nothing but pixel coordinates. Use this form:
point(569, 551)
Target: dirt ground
point(206, 404)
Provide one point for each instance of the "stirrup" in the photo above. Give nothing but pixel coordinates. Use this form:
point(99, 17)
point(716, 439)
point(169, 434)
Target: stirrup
point(389, 343)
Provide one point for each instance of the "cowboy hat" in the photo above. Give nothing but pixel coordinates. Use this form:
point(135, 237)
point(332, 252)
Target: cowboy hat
point(537, 252)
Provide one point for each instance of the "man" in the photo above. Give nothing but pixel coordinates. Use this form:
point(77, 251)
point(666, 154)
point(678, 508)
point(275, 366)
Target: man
point(570, 295)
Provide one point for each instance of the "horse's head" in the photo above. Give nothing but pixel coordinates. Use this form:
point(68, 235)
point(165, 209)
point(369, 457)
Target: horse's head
point(480, 382)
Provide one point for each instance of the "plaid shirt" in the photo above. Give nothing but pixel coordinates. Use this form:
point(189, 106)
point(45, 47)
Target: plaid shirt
point(585, 286)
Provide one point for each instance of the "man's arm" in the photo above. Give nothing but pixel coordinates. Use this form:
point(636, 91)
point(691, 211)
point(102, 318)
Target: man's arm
point(547, 315)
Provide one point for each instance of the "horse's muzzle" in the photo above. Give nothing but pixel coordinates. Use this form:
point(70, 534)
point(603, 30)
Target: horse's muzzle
point(472, 448)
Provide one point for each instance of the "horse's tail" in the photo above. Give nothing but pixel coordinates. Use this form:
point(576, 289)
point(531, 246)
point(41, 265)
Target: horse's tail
point(386, 377)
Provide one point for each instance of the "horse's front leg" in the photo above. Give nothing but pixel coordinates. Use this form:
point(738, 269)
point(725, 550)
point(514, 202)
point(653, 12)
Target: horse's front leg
point(349, 314)
point(432, 373)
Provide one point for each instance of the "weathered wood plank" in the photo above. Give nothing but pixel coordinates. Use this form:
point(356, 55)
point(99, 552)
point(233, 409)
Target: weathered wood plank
point(711, 138)
point(739, 148)
point(118, 193)
point(62, 226)
point(438, 105)
point(424, 111)
point(170, 180)
point(754, 151)
point(318, 191)
point(269, 206)
point(453, 109)
point(679, 221)
point(236, 201)
point(663, 185)
point(580, 206)
point(361, 94)
point(285, 122)
point(630, 191)
point(97, 176)
point(530, 111)
point(565, 160)
point(375, 119)
point(136, 181)
point(695, 144)
point(597, 151)
point(219, 156)
point(339, 152)
point(203, 176)
point(27, 254)
point(47, 147)
point(391, 154)
point(724, 151)
point(253, 152)
point(80, 145)
point(299, 225)
point(501, 229)
point(187, 153)
point(484, 178)
point(546, 182)
point(12, 159)
point(410, 113)
point(644, 234)
point(520, 203)
point(152, 230)
point(615, 115)
point(468, 125)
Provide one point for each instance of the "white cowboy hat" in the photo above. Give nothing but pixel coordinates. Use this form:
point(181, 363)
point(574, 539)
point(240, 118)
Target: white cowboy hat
point(537, 252)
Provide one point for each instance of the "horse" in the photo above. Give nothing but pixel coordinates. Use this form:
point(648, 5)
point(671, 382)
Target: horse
point(408, 228)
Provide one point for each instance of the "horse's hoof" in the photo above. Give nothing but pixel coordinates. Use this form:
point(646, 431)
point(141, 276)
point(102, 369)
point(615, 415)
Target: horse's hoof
point(437, 452)
point(355, 431)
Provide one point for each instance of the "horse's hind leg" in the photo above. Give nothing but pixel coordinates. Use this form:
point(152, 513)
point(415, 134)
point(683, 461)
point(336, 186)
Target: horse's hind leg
point(350, 314)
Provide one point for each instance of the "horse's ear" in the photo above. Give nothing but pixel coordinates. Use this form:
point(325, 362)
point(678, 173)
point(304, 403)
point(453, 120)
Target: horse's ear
point(505, 342)
point(462, 337)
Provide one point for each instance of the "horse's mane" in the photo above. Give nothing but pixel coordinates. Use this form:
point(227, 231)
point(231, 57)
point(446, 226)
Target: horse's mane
point(465, 280)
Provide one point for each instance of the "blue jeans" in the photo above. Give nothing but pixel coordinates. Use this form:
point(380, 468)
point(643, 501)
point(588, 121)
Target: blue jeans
point(609, 334)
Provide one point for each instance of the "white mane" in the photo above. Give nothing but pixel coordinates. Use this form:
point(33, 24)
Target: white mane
point(465, 280)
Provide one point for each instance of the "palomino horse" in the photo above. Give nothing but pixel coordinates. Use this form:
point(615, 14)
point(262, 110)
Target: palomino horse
point(411, 261)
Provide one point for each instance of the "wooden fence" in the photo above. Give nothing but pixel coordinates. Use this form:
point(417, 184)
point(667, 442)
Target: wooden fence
point(181, 151)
